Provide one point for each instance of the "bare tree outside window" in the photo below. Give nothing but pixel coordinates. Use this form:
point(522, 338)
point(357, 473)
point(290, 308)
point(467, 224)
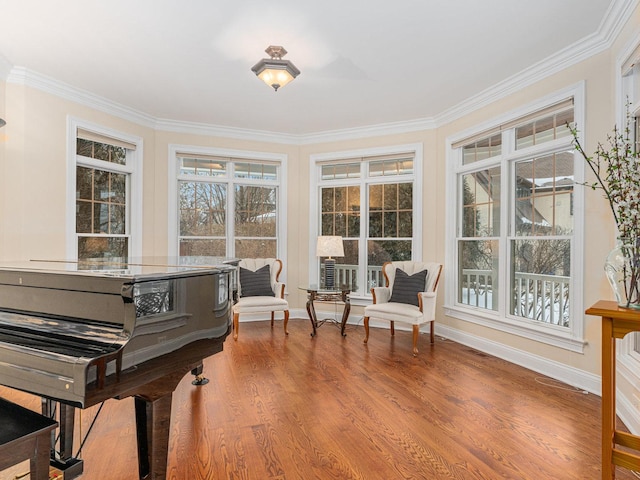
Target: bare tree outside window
point(214, 191)
point(101, 202)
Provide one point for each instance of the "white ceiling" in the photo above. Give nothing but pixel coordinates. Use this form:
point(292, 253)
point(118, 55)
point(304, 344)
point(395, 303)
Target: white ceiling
point(363, 63)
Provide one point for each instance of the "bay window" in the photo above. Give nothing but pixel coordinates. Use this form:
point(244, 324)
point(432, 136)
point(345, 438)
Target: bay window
point(629, 104)
point(370, 199)
point(513, 225)
point(226, 203)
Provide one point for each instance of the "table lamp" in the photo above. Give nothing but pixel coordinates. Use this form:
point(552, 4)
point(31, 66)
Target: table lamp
point(329, 246)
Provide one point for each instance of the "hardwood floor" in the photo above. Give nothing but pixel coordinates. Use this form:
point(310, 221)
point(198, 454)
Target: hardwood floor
point(329, 407)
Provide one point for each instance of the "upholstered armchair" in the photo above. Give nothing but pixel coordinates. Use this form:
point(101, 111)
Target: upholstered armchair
point(259, 290)
point(409, 296)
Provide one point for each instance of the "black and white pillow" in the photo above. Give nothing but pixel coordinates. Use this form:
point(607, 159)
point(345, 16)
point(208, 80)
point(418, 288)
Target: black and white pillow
point(406, 287)
point(256, 284)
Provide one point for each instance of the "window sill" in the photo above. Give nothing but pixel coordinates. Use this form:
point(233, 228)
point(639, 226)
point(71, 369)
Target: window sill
point(546, 334)
point(360, 300)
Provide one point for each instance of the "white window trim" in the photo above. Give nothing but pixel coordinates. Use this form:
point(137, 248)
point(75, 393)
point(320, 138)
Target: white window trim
point(570, 339)
point(626, 56)
point(626, 353)
point(172, 189)
point(134, 168)
point(315, 181)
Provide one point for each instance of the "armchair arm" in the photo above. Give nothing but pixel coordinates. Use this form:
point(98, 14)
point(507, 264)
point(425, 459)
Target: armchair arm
point(428, 305)
point(278, 289)
point(381, 294)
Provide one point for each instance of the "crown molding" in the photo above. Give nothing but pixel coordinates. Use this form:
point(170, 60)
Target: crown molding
point(617, 15)
point(206, 129)
point(368, 131)
point(29, 78)
point(296, 139)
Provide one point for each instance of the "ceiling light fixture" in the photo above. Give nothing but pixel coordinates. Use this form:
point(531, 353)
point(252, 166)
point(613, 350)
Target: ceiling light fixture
point(274, 71)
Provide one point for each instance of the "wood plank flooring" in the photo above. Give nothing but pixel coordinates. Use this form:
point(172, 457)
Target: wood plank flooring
point(329, 407)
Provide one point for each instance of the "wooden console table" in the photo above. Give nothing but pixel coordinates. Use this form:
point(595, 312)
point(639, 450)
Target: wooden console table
point(616, 323)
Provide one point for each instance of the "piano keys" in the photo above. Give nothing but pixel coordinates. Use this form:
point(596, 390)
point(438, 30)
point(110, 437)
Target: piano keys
point(81, 333)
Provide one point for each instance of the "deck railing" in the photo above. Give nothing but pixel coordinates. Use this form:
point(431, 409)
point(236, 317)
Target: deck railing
point(544, 298)
point(348, 275)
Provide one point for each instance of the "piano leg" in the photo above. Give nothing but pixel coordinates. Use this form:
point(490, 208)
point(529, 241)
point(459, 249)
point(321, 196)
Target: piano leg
point(66, 421)
point(64, 459)
point(200, 378)
point(153, 418)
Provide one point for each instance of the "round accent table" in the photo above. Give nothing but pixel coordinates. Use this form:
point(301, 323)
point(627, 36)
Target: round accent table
point(321, 294)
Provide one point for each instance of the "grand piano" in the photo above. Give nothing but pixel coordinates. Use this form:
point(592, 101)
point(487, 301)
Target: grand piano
point(79, 333)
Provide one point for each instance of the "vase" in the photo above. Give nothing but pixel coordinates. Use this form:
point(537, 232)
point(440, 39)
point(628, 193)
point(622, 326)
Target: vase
point(622, 267)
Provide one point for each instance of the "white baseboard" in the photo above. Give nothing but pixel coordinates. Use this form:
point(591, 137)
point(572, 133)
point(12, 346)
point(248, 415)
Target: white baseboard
point(572, 376)
point(628, 413)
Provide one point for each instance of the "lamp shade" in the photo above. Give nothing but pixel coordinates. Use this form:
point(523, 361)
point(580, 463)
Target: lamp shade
point(329, 246)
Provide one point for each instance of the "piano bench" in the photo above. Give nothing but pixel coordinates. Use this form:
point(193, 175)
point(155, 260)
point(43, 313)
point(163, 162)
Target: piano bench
point(25, 434)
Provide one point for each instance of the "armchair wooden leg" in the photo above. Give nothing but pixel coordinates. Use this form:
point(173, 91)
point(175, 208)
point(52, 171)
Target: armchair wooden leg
point(433, 338)
point(235, 325)
point(286, 321)
point(416, 332)
point(272, 315)
point(393, 328)
point(366, 329)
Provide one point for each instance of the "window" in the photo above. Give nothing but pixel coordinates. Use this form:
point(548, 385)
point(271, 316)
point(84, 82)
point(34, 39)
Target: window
point(513, 238)
point(226, 203)
point(105, 166)
point(629, 87)
point(540, 245)
point(371, 201)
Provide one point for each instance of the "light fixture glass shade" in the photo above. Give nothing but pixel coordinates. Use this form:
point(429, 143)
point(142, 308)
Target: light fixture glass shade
point(275, 77)
point(329, 246)
point(274, 71)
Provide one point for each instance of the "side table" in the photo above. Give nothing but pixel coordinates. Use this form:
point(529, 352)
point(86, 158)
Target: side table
point(320, 294)
point(616, 323)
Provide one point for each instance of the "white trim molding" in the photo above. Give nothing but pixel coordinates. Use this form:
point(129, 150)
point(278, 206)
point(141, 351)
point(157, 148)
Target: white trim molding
point(135, 196)
point(580, 379)
point(172, 191)
point(617, 15)
point(570, 339)
point(315, 182)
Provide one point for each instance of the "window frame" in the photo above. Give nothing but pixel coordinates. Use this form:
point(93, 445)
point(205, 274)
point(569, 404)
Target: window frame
point(628, 90)
point(133, 170)
point(362, 296)
point(570, 338)
point(174, 176)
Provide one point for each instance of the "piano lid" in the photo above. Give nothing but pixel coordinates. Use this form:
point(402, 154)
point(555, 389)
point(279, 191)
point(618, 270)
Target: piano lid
point(130, 270)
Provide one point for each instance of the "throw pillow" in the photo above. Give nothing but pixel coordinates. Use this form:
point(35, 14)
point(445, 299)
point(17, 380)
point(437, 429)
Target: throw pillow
point(406, 287)
point(256, 284)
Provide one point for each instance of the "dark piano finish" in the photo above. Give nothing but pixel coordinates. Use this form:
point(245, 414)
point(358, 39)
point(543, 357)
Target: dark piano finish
point(82, 333)
point(25, 435)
